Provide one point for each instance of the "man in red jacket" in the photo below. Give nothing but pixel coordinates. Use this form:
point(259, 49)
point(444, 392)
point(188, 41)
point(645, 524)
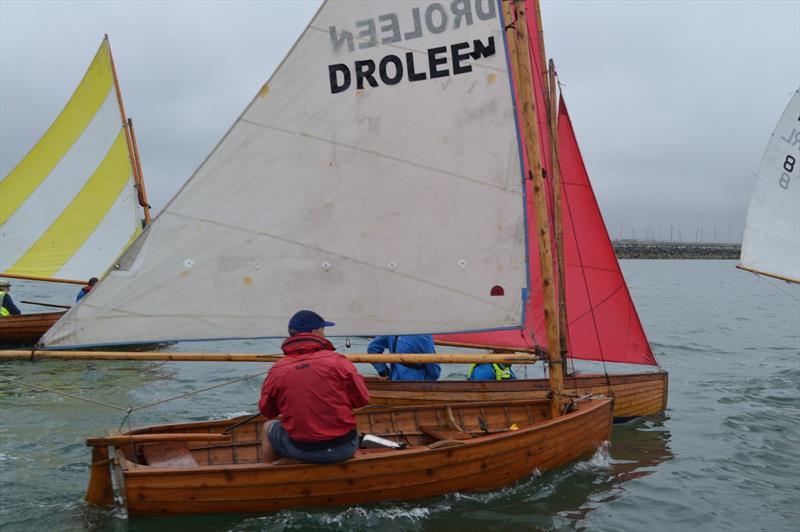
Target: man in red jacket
point(314, 389)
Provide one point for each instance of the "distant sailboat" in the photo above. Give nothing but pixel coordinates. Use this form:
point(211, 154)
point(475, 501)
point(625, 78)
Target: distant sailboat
point(75, 201)
point(771, 243)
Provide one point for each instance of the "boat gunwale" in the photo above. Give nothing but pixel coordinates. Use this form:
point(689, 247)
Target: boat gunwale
point(516, 384)
point(588, 407)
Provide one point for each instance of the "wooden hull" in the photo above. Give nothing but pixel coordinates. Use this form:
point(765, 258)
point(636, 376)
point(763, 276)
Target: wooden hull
point(430, 467)
point(23, 329)
point(635, 394)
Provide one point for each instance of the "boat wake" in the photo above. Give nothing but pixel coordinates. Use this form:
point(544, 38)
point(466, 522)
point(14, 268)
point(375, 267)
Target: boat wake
point(411, 515)
point(400, 516)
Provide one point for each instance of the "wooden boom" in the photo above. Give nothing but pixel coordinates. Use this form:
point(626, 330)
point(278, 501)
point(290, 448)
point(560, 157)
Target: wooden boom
point(444, 358)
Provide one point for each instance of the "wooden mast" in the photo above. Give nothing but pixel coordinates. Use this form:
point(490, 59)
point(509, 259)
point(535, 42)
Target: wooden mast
point(552, 114)
point(134, 156)
point(548, 76)
point(518, 44)
point(140, 184)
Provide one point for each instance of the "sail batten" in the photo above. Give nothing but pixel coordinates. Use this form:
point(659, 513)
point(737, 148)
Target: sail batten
point(771, 242)
point(67, 209)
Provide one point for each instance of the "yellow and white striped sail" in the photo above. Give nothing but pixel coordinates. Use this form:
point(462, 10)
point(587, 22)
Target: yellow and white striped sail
point(70, 207)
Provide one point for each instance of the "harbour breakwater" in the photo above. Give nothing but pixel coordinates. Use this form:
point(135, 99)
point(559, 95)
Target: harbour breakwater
point(635, 249)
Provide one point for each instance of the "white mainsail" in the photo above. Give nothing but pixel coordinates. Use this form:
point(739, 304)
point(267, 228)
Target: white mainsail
point(375, 179)
point(70, 206)
point(771, 243)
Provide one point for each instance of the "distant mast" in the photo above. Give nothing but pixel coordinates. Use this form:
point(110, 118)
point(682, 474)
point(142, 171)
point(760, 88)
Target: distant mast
point(771, 243)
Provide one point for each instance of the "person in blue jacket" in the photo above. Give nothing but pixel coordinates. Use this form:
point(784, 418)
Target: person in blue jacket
point(491, 372)
point(86, 289)
point(418, 343)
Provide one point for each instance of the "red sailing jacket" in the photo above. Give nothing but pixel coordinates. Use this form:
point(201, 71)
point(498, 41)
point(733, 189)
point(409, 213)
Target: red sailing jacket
point(314, 389)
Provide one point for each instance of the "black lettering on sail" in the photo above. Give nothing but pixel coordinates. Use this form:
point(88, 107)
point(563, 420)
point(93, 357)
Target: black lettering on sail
point(434, 61)
point(482, 50)
point(412, 74)
point(384, 71)
point(458, 57)
point(365, 70)
point(333, 71)
point(391, 70)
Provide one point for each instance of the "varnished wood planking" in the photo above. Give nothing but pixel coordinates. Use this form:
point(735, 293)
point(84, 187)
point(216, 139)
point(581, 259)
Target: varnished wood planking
point(627, 389)
point(484, 463)
point(26, 328)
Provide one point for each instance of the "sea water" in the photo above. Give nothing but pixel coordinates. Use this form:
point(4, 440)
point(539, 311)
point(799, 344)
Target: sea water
point(724, 456)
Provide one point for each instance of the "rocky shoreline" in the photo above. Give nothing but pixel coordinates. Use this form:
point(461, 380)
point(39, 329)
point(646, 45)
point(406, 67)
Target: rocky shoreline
point(634, 249)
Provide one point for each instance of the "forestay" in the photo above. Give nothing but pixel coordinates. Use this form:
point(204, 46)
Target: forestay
point(69, 208)
point(375, 179)
point(771, 243)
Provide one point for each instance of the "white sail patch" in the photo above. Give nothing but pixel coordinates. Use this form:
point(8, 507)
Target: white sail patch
point(60, 187)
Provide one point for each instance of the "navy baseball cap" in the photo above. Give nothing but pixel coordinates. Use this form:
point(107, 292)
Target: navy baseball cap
point(306, 321)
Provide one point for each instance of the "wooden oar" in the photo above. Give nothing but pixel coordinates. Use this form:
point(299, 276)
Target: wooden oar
point(46, 304)
point(425, 358)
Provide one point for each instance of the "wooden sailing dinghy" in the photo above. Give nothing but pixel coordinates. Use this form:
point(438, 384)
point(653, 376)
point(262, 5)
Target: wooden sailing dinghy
point(193, 468)
point(398, 206)
point(76, 200)
point(25, 329)
point(771, 243)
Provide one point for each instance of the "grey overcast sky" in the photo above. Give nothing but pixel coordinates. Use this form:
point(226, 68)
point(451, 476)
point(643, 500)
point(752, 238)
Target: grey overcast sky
point(673, 101)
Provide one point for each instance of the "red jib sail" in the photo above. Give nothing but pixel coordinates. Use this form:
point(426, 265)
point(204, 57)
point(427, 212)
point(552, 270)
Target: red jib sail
point(602, 320)
point(601, 316)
